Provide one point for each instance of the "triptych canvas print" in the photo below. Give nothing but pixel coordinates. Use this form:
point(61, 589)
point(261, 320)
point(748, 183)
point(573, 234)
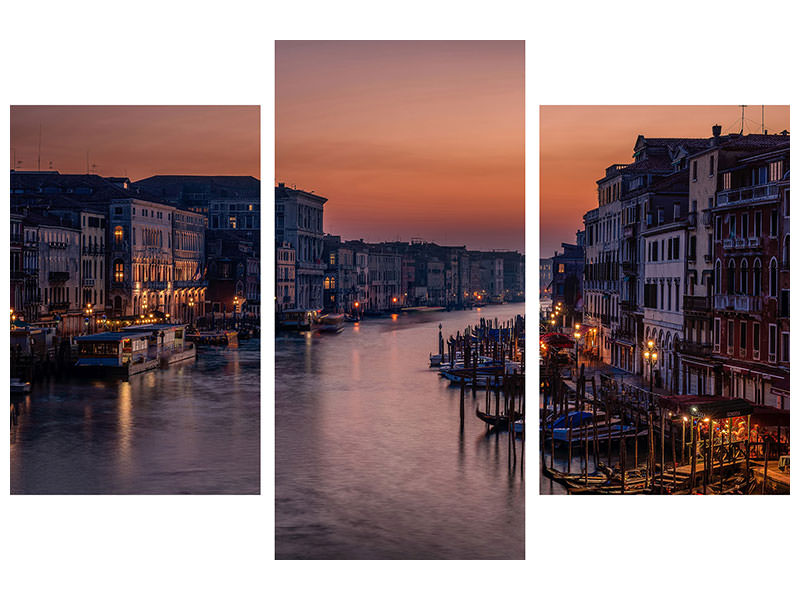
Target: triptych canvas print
point(413, 394)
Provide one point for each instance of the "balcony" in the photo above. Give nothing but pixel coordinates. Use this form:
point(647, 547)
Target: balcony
point(692, 258)
point(629, 306)
point(754, 242)
point(625, 334)
point(57, 245)
point(702, 350)
point(57, 276)
point(88, 283)
point(58, 306)
point(707, 258)
point(154, 285)
point(727, 243)
point(692, 218)
point(750, 304)
point(697, 304)
point(93, 249)
point(769, 191)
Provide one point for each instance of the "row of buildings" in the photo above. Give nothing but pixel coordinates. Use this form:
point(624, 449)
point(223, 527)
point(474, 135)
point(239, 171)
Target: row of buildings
point(689, 248)
point(89, 247)
point(316, 271)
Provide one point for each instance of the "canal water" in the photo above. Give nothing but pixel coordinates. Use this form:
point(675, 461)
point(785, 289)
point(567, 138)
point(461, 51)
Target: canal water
point(370, 462)
point(192, 428)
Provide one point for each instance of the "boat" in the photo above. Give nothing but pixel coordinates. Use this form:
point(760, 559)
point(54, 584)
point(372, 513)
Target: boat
point(436, 360)
point(116, 353)
point(228, 338)
point(580, 426)
point(499, 421)
point(332, 323)
point(170, 341)
point(20, 387)
point(297, 320)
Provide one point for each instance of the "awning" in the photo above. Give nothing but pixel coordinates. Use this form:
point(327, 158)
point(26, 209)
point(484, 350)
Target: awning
point(713, 407)
point(770, 416)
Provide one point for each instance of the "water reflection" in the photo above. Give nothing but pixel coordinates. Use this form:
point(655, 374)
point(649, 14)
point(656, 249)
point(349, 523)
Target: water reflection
point(370, 458)
point(192, 428)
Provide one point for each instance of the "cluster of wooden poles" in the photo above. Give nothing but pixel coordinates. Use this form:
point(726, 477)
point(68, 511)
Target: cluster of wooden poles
point(664, 432)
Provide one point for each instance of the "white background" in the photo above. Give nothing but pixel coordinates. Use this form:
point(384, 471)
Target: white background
point(147, 52)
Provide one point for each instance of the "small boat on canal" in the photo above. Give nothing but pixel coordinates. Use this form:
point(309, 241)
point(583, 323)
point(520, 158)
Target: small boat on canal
point(170, 341)
point(332, 323)
point(20, 387)
point(499, 421)
point(228, 338)
point(580, 426)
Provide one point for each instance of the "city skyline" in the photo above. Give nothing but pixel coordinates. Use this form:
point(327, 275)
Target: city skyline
point(570, 165)
point(436, 128)
point(137, 141)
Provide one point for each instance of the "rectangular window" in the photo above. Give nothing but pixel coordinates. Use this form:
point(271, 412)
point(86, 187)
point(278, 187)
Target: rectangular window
point(773, 341)
point(742, 338)
point(711, 166)
point(694, 170)
point(757, 224)
point(756, 339)
point(784, 346)
point(776, 170)
point(677, 249)
point(726, 181)
point(718, 229)
point(773, 223)
point(784, 307)
point(732, 226)
point(730, 337)
point(745, 225)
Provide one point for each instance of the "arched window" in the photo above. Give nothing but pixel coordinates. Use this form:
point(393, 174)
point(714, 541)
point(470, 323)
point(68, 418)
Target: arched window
point(118, 234)
point(786, 252)
point(757, 277)
point(718, 277)
point(731, 277)
point(743, 276)
point(773, 277)
point(119, 270)
point(327, 283)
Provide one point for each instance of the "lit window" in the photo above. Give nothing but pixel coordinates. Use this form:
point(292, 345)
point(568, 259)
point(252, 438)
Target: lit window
point(119, 272)
point(118, 234)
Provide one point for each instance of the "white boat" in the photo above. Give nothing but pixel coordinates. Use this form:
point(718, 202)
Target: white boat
point(332, 323)
point(20, 387)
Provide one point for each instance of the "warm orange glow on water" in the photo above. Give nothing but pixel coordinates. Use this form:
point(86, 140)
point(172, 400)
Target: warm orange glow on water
point(577, 143)
point(431, 133)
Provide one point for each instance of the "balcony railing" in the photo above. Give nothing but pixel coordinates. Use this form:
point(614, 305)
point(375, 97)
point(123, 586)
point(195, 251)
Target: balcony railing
point(629, 305)
point(727, 243)
point(60, 245)
point(769, 191)
point(154, 285)
point(696, 348)
point(737, 303)
point(58, 306)
point(88, 283)
point(697, 303)
point(754, 242)
point(93, 249)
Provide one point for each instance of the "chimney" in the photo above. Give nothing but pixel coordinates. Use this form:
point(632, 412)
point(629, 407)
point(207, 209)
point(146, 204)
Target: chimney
point(716, 130)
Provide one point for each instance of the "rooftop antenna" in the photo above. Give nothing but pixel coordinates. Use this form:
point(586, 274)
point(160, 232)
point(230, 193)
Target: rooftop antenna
point(741, 131)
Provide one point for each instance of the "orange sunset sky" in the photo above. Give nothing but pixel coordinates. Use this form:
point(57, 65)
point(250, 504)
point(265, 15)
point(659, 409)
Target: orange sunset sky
point(138, 141)
point(407, 139)
point(577, 143)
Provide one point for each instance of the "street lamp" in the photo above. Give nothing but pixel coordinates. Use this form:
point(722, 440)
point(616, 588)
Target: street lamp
point(577, 335)
point(650, 357)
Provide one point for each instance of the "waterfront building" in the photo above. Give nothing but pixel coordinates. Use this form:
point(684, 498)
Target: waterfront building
point(228, 256)
point(751, 297)
point(567, 283)
point(702, 373)
point(664, 250)
point(298, 221)
point(140, 256)
point(189, 284)
point(284, 277)
point(229, 202)
point(18, 275)
point(385, 268)
point(341, 281)
point(546, 276)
